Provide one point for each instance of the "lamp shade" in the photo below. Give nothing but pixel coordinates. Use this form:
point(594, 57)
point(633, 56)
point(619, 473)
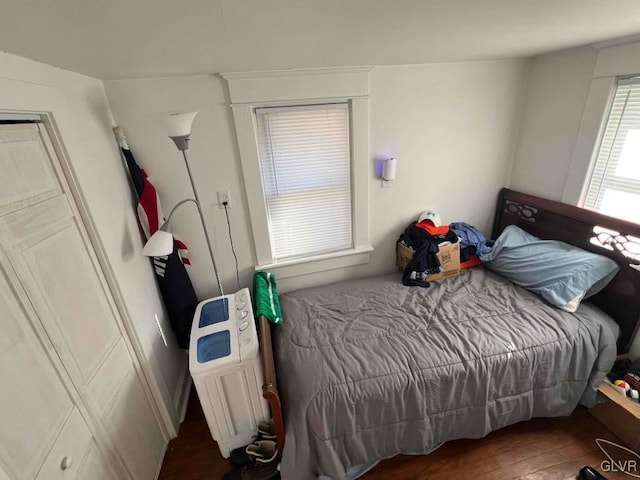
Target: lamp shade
point(159, 245)
point(179, 124)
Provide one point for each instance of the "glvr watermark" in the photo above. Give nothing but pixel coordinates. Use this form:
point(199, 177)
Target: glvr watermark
point(627, 461)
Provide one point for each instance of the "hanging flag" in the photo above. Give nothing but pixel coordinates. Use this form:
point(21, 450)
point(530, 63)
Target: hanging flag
point(175, 285)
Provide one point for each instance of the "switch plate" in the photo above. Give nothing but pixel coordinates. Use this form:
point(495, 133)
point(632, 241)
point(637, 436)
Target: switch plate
point(224, 197)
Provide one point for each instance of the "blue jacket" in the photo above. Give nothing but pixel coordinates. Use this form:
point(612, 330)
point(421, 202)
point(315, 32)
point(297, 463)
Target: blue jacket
point(470, 236)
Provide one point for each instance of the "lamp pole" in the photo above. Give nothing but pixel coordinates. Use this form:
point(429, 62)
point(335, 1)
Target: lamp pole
point(204, 226)
point(179, 130)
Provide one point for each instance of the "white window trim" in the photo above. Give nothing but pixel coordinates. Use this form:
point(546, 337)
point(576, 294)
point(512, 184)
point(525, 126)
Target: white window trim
point(594, 120)
point(250, 90)
point(613, 62)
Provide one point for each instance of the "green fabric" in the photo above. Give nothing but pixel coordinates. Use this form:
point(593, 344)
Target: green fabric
point(265, 296)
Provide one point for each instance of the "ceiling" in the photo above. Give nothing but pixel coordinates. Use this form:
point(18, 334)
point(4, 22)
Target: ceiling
point(149, 38)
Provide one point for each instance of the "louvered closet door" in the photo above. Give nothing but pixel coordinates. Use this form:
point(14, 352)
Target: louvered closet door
point(48, 248)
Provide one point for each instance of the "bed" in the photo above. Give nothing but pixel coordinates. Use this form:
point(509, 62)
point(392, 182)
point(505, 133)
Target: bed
point(368, 369)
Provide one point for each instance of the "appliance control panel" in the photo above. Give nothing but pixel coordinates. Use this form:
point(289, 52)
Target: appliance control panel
point(223, 332)
point(246, 324)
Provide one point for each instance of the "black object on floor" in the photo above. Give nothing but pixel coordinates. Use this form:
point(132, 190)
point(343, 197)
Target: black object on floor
point(588, 473)
point(262, 464)
point(237, 474)
point(620, 367)
point(239, 457)
point(232, 475)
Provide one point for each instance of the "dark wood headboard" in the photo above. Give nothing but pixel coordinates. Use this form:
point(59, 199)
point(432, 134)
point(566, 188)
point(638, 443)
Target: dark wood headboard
point(551, 220)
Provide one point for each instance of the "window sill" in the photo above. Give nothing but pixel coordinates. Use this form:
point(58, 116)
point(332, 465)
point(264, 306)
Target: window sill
point(319, 263)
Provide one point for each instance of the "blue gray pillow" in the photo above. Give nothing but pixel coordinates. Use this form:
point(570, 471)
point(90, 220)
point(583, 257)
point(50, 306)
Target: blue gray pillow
point(560, 273)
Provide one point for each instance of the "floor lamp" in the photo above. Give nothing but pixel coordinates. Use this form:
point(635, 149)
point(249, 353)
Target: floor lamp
point(161, 242)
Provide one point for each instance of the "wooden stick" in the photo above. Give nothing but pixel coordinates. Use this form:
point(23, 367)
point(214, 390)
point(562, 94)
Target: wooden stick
point(270, 387)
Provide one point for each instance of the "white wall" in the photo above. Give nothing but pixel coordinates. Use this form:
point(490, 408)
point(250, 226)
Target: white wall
point(214, 162)
point(451, 126)
point(565, 102)
point(82, 116)
point(557, 91)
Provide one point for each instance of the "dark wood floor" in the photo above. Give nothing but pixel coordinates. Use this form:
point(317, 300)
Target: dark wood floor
point(540, 449)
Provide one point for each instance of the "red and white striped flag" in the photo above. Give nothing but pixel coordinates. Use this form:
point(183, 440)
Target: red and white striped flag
point(151, 216)
point(175, 285)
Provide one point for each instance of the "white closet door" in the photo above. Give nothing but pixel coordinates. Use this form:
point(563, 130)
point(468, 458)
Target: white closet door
point(45, 244)
point(134, 431)
point(93, 466)
point(27, 175)
point(33, 404)
point(46, 248)
point(63, 460)
point(117, 396)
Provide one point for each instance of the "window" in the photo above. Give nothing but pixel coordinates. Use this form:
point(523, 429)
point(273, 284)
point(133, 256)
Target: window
point(303, 139)
point(305, 164)
point(614, 187)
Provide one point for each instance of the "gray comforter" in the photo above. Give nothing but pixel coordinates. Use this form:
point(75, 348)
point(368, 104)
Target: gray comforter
point(370, 368)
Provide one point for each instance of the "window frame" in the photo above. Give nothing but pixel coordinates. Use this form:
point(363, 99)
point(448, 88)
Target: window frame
point(251, 90)
point(612, 63)
point(596, 153)
point(271, 162)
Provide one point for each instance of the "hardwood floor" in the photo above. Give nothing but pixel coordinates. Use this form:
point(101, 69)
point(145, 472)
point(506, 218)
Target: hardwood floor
point(193, 455)
point(540, 449)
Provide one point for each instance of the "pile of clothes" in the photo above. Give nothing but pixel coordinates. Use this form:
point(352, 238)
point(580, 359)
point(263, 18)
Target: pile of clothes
point(427, 235)
point(625, 377)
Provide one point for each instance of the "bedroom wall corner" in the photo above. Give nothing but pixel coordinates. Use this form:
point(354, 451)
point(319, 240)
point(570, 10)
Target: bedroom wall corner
point(451, 127)
point(520, 108)
point(138, 106)
point(556, 94)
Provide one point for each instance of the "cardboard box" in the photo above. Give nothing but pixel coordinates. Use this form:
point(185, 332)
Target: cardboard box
point(449, 256)
point(619, 414)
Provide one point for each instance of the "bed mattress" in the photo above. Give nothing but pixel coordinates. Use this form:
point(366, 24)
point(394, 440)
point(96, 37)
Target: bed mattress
point(370, 368)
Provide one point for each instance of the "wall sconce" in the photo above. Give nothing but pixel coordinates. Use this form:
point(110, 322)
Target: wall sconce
point(161, 242)
point(388, 174)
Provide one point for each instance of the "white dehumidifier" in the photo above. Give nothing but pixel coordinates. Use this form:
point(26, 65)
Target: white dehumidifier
point(224, 361)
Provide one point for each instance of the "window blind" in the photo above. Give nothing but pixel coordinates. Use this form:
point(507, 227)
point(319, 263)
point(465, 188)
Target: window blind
point(305, 164)
point(614, 187)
